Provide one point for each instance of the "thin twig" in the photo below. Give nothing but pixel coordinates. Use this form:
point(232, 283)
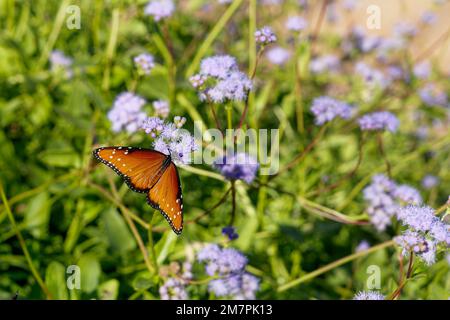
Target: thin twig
point(383, 154)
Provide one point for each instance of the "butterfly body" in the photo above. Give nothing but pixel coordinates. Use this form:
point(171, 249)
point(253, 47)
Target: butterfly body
point(151, 172)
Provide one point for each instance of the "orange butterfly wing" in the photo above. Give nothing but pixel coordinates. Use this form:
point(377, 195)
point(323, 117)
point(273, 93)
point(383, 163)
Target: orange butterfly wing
point(163, 198)
point(138, 167)
point(152, 172)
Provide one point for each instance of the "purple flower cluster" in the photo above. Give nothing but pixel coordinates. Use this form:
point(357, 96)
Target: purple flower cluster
point(278, 55)
point(385, 197)
point(240, 166)
point(265, 36)
point(422, 70)
point(432, 96)
point(424, 232)
point(372, 77)
point(369, 295)
point(230, 232)
point(60, 62)
point(162, 108)
point(326, 109)
point(144, 62)
point(170, 139)
point(229, 84)
point(126, 112)
point(381, 120)
point(430, 181)
point(296, 23)
point(159, 9)
point(326, 63)
point(173, 289)
point(229, 265)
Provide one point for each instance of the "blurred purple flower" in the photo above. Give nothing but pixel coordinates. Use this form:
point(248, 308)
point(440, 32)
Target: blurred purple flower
point(296, 23)
point(265, 36)
point(144, 62)
point(363, 245)
point(422, 70)
point(326, 63)
point(381, 120)
point(240, 166)
point(60, 62)
point(278, 55)
point(218, 66)
point(126, 112)
point(173, 289)
point(229, 264)
point(430, 181)
point(230, 232)
point(405, 29)
point(159, 9)
point(162, 108)
point(429, 17)
point(233, 88)
point(372, 77)
point(407, 194)
point(432, 96)
point(326, 109)
point(369, 295)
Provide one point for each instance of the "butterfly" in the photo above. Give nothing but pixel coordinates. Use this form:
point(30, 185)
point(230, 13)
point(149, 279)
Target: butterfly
point(151, 172)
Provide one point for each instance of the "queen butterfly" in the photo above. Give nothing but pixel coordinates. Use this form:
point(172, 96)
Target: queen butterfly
point(151, 172)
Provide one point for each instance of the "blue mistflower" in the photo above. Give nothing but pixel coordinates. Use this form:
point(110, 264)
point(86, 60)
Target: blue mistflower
point(296, 23)
point(265, 35)
point(230, 232)
point(381, 120)
point(369, 295)
point(240, 166)
point(60, 62)
point(326, 63)
point(229, 265)
point(326, 109)
point(278, 55)
point(144, 62)
point(126, 112)
point(173, 289)
point(430, 181)
point(159, 9)
point(432, 96)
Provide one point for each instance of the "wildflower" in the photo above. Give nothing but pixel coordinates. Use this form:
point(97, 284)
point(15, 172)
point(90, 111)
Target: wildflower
point(144, 62)
point(153, 126)
point(326, 63)
point(296, 23)
point(326, 109)
point(126, 112)
point(382, 120)
point(405, 30)
point(240, 166)
point(363, 245)
point(428, 18)
point(59, 61)
point(161, 108)
point(278, 55)
point(429, 181)
point(385, 198)
point(173, 289)
point(265, 36)
point(170, 139)
point(369, 295)
point(230, 232)
point(229, 264)
point(159, 9)
point(424, 232)
point(422, 70)
point(233, 88)
point(372, 77)
point(407, 194)
point(218, 66)
point(432, 96)
point(198, 80)
point(228, 83)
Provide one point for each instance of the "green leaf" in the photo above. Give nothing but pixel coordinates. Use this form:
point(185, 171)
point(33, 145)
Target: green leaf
point(108, 290)
point(165, 246)
point(55, 279)
point(37, 215)
point(119, 237)
point(90, 272)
